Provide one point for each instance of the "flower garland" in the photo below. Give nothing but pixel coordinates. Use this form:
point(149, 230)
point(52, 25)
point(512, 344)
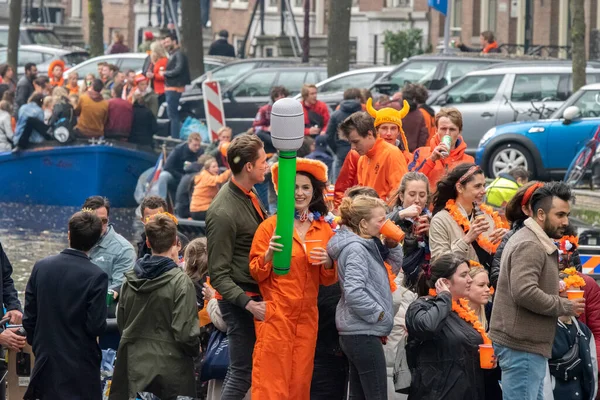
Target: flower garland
point(464, 223)
point(462, 309)
point(316, 216)
point(573, 280)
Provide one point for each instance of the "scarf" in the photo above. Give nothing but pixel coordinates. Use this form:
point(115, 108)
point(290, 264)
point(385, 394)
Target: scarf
point(489, 47)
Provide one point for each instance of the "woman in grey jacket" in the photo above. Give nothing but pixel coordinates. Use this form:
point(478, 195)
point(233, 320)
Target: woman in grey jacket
point(364, 315)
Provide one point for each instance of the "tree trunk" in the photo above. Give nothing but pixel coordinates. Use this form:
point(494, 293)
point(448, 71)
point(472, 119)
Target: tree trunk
point(306, 36)
point(14, 24)
point(96, 38)
point(578, 43)
point(338, 37)
point(191, 36)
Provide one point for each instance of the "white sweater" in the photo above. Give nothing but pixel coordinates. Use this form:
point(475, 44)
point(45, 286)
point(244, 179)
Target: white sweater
point(6, 132)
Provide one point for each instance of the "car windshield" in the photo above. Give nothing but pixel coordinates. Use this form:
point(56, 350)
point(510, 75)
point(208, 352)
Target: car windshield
point(227, 73)
point(588, 102)
point(44, 38)
point(73, 59)
point(414, 72)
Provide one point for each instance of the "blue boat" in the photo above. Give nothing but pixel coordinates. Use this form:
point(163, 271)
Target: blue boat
point(67, 175)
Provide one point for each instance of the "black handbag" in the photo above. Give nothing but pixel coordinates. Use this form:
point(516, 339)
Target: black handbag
point(569, 365)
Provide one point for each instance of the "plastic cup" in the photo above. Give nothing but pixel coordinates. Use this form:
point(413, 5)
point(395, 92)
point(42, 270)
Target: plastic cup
point(574, 294)
point(392, 231)
point(310, 246)
point(486, 356)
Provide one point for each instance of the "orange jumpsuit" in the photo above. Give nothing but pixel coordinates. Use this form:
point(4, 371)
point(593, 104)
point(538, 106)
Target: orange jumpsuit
point(382, 168)
point(285, 341)
point(435, 170)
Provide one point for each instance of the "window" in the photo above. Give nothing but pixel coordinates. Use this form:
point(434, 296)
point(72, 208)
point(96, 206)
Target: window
point(589, 104)
point(347, 82)
point(229, 73)
point(491, 17)
point(474, 89)
point(256, 85)
point(29, 57)
point(456, 16)
point(135, 64)
point(73, 59)
point(92, 68)
point(315, 77)
point(43, 37)
point(421, 72)
point(456, 70)
point(536, 87)
point(4, 38)
point(397, 3)
point(292, 80)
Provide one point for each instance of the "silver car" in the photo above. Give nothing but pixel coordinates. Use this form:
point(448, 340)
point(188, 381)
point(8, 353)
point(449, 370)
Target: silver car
point(507, 93)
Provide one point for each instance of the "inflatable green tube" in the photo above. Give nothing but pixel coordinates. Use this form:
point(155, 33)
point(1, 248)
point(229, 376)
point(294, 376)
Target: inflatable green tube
point(285, 211)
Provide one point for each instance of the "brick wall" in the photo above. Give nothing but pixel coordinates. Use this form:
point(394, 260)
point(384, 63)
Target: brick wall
point(234, 20)
point(118, 15)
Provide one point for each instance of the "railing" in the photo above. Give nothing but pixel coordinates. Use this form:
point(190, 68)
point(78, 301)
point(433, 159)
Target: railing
point(537, 50)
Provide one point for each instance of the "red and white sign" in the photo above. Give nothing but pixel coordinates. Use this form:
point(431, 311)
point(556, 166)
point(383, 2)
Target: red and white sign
point(213, 107)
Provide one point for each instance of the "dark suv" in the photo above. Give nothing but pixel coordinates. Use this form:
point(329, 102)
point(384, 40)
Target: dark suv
point(244, 96)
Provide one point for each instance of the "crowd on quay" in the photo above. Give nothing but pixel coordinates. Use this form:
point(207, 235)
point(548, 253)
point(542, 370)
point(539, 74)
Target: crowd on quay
point(410, 277)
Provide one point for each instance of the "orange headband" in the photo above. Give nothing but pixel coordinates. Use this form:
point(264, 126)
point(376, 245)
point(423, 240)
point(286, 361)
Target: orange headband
point(529, 192)
point(469, 173)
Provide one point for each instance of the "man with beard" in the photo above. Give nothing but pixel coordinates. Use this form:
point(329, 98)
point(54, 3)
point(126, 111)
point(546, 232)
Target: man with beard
point(527, 303)
point(25, 85)
point(177, 75)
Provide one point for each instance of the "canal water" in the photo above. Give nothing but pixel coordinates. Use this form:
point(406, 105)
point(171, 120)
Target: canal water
point(30, 233)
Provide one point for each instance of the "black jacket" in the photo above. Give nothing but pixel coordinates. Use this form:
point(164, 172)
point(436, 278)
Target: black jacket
point(8, 293)
point(442, 352)
point(65, 310)
point(24, 91)
point(175, 161)
point(495, 270)
point(144, 125)
point(221, 47)
point(341, 147)
point(185, 190)
point(177, 73)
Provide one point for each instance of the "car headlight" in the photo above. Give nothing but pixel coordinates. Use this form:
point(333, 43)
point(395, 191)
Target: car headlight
point(488, 135)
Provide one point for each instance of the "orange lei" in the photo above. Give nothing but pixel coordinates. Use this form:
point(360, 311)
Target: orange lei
point(464, 223)
point(464, 312)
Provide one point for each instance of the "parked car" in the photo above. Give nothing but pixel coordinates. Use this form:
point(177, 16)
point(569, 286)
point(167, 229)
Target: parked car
point(489, 97)
point(434, 71)
point(32, 34)
point(331, 90)
point(243, 97)
point(42, 56)
point(228, 73)
point(127, 61)
point(544, 147)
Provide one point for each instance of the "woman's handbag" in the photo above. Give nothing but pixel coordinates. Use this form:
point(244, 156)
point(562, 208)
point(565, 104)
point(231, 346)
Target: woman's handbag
point(216, 361)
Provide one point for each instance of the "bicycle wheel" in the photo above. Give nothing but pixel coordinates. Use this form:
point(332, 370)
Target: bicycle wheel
point(578, 167)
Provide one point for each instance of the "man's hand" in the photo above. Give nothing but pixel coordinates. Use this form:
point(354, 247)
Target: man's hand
point(149, 75)
point(16, 317)
point(12, 341)
point(257, 308)
point(439, 152)
point(315, 130)
point(577, 307)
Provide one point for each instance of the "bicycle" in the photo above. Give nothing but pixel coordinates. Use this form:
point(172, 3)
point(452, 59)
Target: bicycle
point(582, 161)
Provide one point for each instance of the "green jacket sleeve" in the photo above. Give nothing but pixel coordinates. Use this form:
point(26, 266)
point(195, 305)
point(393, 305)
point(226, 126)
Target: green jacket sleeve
point(185, 325)
point(221, 234)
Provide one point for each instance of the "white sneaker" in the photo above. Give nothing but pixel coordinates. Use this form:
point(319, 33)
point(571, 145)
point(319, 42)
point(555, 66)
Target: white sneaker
point(208, 24)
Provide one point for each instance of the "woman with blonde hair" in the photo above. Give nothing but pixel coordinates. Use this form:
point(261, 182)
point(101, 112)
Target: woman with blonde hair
point(364, 314)
point(479, 294)
point(159, 59)
point(71, 84)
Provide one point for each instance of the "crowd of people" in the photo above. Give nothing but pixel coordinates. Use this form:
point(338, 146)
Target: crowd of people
point(409, 277)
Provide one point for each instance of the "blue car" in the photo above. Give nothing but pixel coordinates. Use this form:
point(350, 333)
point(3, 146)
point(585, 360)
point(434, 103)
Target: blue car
point(544, 147)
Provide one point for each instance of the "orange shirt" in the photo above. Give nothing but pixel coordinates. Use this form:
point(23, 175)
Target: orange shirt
point(206, 187)
point(347, 177)
point(382, 168)
point(303, 280)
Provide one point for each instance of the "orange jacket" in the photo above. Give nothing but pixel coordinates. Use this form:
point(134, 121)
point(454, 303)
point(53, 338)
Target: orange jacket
point(382, 168)
point(429, 123)
point(284, 352)
point(206, 187)
point(159, 80)
point(434, 171)
point(346, 178)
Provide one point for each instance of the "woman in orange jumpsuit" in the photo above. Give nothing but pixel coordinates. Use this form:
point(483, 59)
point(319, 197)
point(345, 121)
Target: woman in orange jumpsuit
point(286, 339)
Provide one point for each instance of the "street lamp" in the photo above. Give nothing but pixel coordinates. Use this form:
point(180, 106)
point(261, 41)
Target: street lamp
point(287, 134)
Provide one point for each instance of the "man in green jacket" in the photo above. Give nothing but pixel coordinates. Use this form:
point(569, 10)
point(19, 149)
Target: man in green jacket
point(158, 321)
point(231, 221)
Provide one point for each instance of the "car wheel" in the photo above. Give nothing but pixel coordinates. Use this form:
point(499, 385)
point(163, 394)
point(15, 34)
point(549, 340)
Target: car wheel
point(508, 156)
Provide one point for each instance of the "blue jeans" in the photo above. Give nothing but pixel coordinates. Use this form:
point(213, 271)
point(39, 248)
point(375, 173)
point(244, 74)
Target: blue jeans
point(204, 11)
point(522, 374)
point(172, 98)
point(368, 374)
